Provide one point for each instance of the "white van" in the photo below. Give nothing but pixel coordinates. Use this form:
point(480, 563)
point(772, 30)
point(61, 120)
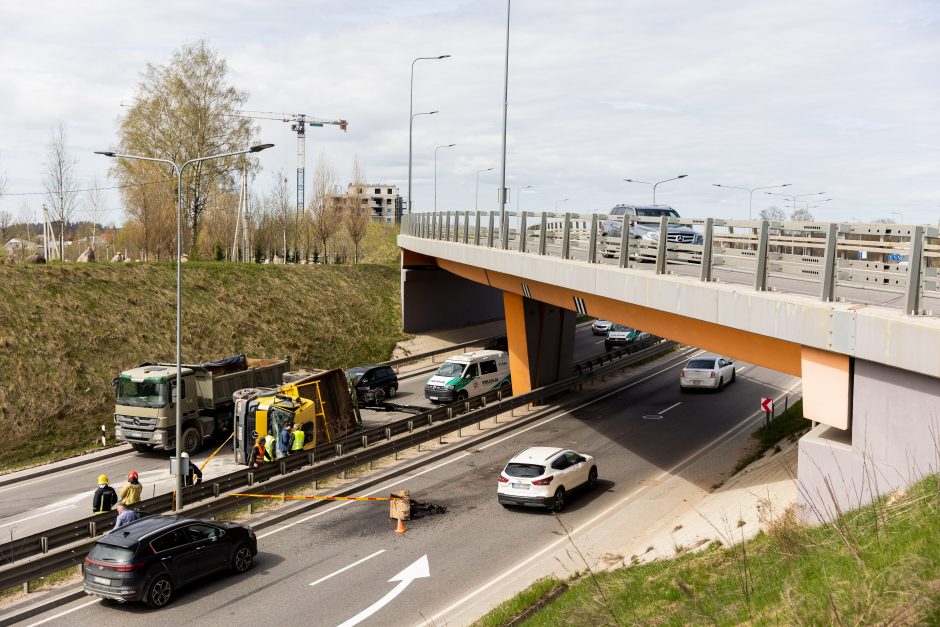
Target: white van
point(470, 374)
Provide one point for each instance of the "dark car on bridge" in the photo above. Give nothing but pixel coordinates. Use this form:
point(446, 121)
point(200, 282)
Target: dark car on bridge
point(149, 559)
point(373, 384)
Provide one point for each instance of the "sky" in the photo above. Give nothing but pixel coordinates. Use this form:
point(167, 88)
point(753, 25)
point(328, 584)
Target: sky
point(840, 97)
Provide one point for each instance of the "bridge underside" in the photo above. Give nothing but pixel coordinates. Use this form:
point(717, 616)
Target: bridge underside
point(850, 458)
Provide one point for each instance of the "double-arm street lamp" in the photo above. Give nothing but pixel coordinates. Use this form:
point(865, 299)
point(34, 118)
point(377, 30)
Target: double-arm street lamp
point(435, 171)
point(675, 178)
point(558, 201)
point(178, 170)
point(750, 191)
point(411, 115)
point(519, 193)
point(793, 197)
point(476, 202)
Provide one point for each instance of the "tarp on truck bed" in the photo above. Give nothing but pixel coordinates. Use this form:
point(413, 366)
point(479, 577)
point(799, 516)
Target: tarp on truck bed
point(226, 365)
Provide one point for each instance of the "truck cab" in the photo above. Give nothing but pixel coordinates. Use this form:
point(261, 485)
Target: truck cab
point(145, 405)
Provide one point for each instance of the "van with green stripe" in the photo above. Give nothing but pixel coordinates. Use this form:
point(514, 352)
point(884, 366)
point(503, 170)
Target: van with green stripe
point(470, 374)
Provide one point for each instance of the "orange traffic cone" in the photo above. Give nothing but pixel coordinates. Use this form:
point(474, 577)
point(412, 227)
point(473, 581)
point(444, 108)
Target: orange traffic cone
point(401, 527)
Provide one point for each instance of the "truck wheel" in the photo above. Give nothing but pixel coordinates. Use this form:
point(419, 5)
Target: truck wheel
point(192, 440)
point(141, 448)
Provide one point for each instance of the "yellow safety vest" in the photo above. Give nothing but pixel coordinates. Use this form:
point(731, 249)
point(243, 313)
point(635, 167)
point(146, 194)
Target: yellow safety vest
point(269, 445)
point(298, 442)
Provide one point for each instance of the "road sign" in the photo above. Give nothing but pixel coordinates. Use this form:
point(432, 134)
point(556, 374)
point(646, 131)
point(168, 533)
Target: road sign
point(767, 404)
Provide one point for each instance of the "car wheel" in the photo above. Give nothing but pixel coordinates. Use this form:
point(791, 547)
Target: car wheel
point(392, 391)
point(559, 500)
point(462, 395)
point(241, 558)
point(160, 592)
point(592, 478)
point(192, 440)
point(721, 384)
point(733, 374)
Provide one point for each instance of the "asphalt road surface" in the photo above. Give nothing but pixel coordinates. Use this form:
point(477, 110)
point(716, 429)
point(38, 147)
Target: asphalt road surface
point(342, 564)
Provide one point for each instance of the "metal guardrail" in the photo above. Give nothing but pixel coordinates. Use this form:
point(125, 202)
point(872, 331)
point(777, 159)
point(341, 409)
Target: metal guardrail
point(833, 260)
point(396, 363)
point(68, 544)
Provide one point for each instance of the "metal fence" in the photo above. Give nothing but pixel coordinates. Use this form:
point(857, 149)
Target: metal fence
point(893, 265)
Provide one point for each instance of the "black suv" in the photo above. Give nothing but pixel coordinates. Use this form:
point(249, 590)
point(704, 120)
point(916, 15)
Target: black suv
point(373, 383)
point(147, 560)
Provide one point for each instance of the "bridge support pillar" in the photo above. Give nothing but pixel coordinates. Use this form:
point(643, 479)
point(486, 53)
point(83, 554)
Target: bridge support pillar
point(541, 342)
point(892, 439)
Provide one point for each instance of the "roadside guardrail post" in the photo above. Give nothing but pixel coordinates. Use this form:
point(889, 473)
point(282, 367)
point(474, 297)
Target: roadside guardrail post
point(625, 242)
point(388, 433)
point(251, 478)
point(466, 227)
point(592, 242)
point(365, 441)
point(283, 468)
point(446, 234)
point(760, 273)
point(828, 283)
point(914, 264)
point(339, 449)
point(706, 270)
point(44, 544)
point(489, 230)
point(522, 215)
point(566, 237)
point(411, 426)
point(543, 236)
point(92, 529)
point(504, 231)
point(662, 245)
point(476, 231)
point(216, 490)
point(311, 458)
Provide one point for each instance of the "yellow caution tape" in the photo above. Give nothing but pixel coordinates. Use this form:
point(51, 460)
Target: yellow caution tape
point(323, 498)
point(209, 459)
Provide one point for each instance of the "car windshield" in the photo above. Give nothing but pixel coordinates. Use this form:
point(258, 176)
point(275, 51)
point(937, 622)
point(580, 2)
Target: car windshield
point(655, 213)
point(450, 369)
point(617, 211)
point(110, 553)
point(619, 327)
point(146, 393)
point(355, 374)
point(701, 364)
point(524, 470)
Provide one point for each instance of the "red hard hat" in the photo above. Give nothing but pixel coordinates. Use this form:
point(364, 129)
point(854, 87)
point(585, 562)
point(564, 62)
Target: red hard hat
point(132, 474)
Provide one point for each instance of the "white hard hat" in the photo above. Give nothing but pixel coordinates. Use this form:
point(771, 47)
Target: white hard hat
point(186, 455)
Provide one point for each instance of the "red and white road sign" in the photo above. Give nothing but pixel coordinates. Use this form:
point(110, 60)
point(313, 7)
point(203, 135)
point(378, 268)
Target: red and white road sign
point(767, 404)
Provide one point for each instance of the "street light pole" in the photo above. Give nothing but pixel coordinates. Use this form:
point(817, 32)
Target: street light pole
point(750, 193)
point(435, 171)
point(476, 202)
point(655, 185)
point(558, 201)
point(900, 215)
point(411, 117)
point(793, 197)
point(518, 194)
point(502, 178)
point(178, 170)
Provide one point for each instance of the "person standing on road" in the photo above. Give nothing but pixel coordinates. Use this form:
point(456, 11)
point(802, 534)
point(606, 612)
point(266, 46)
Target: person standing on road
point(193, 470)
point(130, 493)
point(269, 441)
point(297, 439)
point(125, 516)
point(105, 497)
point(283, 440)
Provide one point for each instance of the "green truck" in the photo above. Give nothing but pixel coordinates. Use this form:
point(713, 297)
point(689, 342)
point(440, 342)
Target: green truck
point(145, 407)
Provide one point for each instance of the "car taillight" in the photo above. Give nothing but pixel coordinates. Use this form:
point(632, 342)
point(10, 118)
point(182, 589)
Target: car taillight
point(712, 374)
point(544, 481)
point(121, 568)
point(503, 479)
point(682, 374)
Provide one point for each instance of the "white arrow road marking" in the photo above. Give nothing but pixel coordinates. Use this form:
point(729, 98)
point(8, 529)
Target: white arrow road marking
point(345, 568)
point(416, 570)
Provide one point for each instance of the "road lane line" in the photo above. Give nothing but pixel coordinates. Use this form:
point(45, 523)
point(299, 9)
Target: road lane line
point(56, 475)
point(345, 568)
point(61, 614)
point(670, 407)
point(462, 455)
point(58, 509)
point(440, 616)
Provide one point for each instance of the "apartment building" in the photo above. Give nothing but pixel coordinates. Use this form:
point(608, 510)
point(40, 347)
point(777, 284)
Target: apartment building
point(380, 201)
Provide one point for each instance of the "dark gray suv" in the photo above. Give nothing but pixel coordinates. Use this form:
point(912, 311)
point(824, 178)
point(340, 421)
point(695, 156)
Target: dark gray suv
point(373, 384)
point(149, 559)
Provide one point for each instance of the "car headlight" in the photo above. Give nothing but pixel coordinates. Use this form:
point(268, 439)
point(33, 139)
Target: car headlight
point(651, 235)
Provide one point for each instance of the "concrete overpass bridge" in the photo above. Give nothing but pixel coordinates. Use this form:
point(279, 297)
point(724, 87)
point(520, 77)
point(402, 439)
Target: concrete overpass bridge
point(850, 308)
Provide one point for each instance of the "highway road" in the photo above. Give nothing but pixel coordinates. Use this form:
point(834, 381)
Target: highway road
point(341, 564)
point(35, 504)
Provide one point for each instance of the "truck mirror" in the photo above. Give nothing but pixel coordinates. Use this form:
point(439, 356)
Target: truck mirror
point(173, 392)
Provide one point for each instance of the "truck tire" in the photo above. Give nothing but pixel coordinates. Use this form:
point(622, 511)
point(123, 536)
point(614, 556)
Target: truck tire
point(141, 448)
point(191, 440)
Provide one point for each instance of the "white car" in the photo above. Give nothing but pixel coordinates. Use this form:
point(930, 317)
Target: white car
point(708, 372)
point(600, 327)
point(542, 476)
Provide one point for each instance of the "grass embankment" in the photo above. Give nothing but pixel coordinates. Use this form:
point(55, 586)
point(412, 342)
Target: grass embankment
point(67, 330)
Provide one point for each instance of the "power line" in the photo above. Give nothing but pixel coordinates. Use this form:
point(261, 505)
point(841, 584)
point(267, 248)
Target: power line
point(90, 189)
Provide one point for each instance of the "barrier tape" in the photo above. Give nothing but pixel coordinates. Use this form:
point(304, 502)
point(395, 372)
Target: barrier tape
point(209, 459)
point(323, 498)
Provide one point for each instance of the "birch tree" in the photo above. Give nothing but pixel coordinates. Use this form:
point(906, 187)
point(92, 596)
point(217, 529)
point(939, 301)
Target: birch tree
point(325, 216)
point(58, 179)
point(355, 221)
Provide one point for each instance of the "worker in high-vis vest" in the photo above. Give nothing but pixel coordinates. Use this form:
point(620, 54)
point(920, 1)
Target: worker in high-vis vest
point(269, 441)
point(297, 439)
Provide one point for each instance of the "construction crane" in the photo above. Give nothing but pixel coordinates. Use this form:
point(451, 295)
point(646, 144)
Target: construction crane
point(298, 123)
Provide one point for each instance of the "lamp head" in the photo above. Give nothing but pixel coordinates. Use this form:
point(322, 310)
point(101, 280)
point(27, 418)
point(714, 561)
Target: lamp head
point(682, 176)
point(106, 153)
point(444, 56)
point(260, 147)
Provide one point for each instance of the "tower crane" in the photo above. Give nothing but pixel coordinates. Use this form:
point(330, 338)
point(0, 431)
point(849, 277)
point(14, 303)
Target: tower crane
point(298, 123)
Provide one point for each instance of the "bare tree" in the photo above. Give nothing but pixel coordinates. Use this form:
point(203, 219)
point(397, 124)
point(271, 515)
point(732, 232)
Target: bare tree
point(59, 181)
point(355, 220)
point(325, 216)
point(150, 207)
point(94, 205)
point(772, 213)
point(6, 221)
point(801, 215)
point(883, 221)
point(281, 209)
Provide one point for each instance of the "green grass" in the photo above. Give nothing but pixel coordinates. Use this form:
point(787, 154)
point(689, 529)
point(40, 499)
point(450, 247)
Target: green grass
point(789, 424)
point(67, 330)
point(876, 565)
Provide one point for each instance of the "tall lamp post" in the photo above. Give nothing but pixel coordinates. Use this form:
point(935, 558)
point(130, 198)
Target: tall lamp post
point(558, 201)
point(178, 170)
point(435, 171)
point(655, 185)
point(411, 115)
point(519, 193)
point(900, 215)
point(476, 203)
point(750, 193)
point(793, 197)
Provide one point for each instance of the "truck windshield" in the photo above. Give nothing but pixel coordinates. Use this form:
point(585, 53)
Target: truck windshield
point(450, 369)
point(146, 393)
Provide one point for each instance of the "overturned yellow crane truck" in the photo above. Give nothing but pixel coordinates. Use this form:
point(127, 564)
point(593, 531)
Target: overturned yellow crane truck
point(321, 402)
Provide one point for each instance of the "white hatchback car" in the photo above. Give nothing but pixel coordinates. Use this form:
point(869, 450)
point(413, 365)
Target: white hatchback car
point(708, 372)
point(541, 476)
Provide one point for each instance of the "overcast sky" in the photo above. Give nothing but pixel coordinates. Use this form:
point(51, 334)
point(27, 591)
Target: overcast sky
point(834, 96)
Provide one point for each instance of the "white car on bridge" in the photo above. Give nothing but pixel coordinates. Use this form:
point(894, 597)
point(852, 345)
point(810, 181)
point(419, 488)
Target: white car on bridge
point(707, 372)
point(542, 476)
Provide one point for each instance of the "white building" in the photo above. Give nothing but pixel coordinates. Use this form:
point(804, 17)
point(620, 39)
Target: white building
point(380, 201)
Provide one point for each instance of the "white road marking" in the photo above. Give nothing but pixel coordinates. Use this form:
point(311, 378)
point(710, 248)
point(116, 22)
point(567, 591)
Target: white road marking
point(440, 616)
point(61, 614)
point(58, 509)
point(670, 407)
point(345, 568)
point(417, 570)
point(89, 468)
